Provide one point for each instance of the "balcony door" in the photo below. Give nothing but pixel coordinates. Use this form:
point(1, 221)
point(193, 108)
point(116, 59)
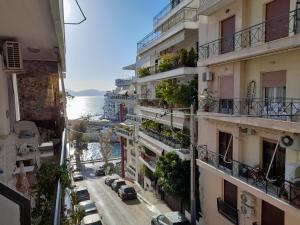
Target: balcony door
point(230, 194)
point(277, 19)
point(277, 171)
point(227, 35)
point(271, 215)
point(225, 144)
point(226, 94)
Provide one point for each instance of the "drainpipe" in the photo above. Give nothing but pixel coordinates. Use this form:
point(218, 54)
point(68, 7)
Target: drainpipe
point(122, 158)
point(16, 96)
point(193, 176)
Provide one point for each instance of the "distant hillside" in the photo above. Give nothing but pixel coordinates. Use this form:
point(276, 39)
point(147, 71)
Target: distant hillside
point(88, 92)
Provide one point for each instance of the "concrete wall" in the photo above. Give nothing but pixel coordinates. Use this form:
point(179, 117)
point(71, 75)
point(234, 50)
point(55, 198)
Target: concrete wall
point(4, 102)
point(9, 212)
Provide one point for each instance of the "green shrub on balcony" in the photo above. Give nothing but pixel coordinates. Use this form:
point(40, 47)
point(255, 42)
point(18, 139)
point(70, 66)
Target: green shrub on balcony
point(192, 58)
point(168, 62)
point(143, 72)
point(177, 95)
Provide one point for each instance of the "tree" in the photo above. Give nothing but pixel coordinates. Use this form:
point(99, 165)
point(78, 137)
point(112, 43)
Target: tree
point(105, 145)
point(44, 191)
point(79, 138)
point(173, 175)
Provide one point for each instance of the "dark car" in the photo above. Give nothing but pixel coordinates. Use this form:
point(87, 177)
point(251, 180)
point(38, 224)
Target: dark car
point(110, 179)
point(117, 184)
point(170, 218)
point(82, 194)
point(127, 192)
point(100, 171)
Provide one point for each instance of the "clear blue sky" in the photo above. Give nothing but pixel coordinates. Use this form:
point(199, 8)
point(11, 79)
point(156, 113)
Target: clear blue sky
point(99, 48)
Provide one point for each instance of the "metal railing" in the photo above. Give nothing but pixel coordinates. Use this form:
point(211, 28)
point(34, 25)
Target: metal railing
point(228, 211)
point(253, 176)
point(183, 15)
point(134, 118)
point(165, 11)
point(166, 140)
point(258, 34)
point(124, 131)
point(149, 159)
point(56, 219)
point(122, 97)
point(277, 108)
point(157, 103)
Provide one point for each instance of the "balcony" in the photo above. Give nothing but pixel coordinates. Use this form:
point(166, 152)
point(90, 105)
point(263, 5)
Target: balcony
point(228, 211)
point(183, 16)
point(168, 10)
point(252, 40)
point(255, 177)
point(127, 133)
point(277, 109)
point(162, 113)
point(133, 118)
point(149, 161)
point(207, 7)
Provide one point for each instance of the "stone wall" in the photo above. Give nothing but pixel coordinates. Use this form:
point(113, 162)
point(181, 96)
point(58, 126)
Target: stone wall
point(39, 93)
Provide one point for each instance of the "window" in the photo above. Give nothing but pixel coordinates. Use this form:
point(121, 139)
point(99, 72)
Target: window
point(271, 215)
point(227, 35)
point(230, 194)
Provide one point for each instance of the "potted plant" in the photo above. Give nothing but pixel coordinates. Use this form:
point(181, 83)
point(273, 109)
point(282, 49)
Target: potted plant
point(206, 100)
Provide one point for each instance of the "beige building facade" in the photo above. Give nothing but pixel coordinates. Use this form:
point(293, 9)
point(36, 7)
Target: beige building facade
point(248, 119)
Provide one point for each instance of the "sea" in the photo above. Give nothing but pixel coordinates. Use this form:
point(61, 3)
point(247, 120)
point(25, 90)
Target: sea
point(82, 106)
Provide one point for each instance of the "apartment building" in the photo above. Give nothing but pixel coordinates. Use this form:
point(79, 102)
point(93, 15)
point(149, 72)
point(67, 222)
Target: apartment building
point(166, 57)
point(120, 101)
point(32, 59)
point(249, 107)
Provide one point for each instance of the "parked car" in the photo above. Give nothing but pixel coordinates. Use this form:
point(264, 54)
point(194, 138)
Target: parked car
point(110, 179)
point(127, 192)
point(117, 184)
point(100, 171)
point(88, 206)
point(93, 219)
point(170, 218)
point(77, 176)
point(82, 194)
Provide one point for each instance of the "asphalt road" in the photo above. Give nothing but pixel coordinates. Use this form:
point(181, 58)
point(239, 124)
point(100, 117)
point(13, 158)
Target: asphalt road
point(113, 210)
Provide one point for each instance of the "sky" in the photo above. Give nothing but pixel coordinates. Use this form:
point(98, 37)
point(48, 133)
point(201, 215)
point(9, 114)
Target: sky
point(97, 49)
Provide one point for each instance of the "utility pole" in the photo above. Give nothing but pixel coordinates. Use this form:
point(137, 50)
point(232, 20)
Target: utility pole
point(192, 150)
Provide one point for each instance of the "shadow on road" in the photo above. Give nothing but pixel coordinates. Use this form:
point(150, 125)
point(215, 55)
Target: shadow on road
point(132, 202)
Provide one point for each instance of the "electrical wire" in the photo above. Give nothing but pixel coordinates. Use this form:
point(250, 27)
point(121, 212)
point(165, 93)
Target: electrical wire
point(82, 13)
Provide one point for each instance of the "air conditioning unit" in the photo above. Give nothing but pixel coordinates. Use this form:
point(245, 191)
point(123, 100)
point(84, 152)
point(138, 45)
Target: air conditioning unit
point(12, 56)
point(207, 76)
point(292, 142)
point(248, 199)
point(247, 211)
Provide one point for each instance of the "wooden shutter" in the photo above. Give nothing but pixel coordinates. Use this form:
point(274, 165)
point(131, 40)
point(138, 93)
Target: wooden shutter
point(271, 215)
point(226, 87)
point(277, 19)
point(227, 34)
point(230, 194)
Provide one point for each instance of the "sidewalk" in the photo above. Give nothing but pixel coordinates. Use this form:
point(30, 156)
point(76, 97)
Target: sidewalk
point(156, 205)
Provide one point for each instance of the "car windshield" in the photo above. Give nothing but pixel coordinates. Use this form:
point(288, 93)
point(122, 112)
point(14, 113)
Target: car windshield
point(121, 182)
point(82, 192)
point(129, 190)
point(90, 205)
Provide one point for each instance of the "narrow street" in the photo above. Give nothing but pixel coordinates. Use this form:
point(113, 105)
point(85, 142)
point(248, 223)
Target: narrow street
point(111, 208)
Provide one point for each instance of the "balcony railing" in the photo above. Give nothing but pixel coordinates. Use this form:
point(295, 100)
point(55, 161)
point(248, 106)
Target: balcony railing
point(165, 11)
point(134, 118)
point(276, 28)
point(157, 103)
point(183, 15)
point(124, 132)
point(228, 211)
point(122, 97)
point(151, 160)
point(278, 109)
point(253, 176)
point(56, 219)
point(166, 140)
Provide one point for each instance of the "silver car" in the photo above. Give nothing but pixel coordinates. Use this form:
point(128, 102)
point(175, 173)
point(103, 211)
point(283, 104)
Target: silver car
point(88, 206)
point(170, 218)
